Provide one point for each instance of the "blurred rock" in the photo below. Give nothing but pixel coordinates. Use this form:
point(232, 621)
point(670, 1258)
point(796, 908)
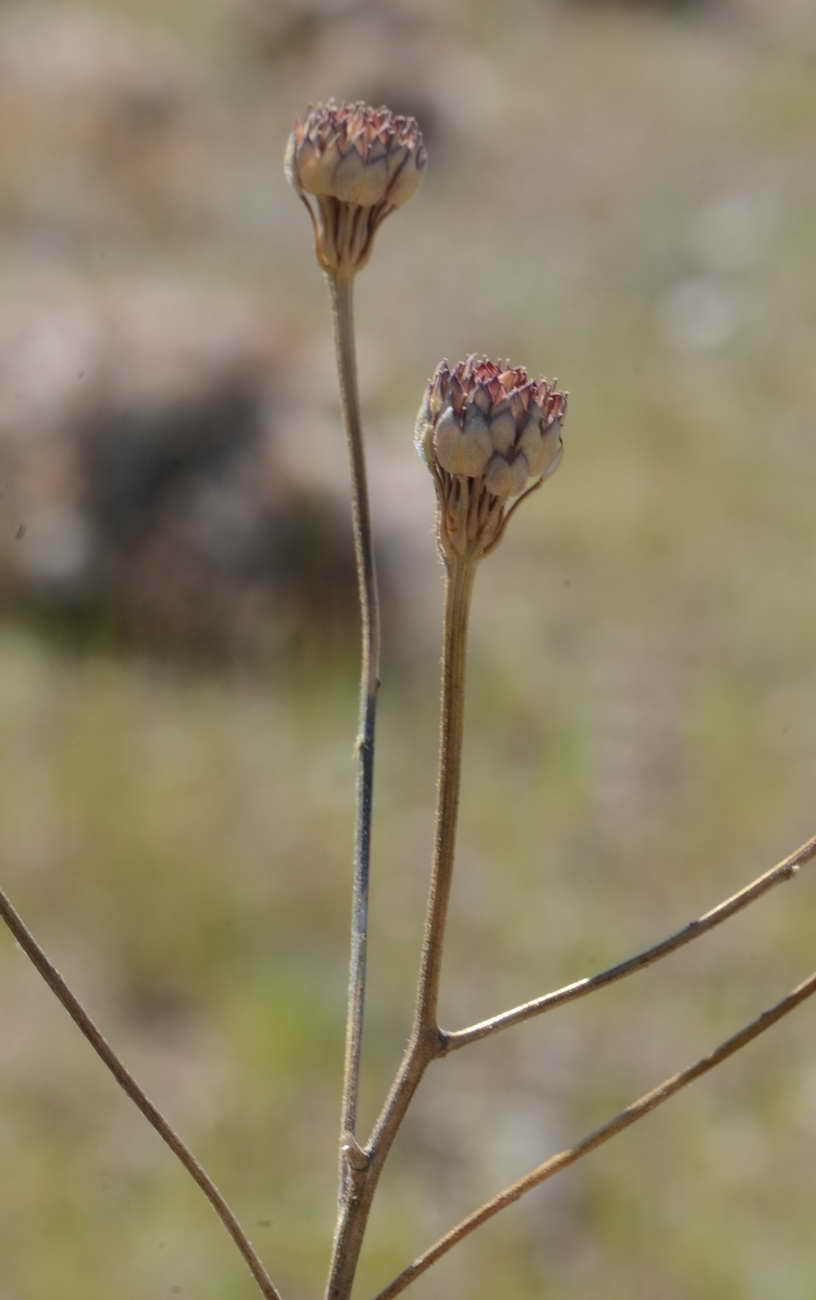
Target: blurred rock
point(146, 497)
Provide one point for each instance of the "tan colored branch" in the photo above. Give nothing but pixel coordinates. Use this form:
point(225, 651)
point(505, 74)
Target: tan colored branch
point(638, 1110)
point(140, 1099)
point(341, 293)
point(458, 592)
point(784, 870)
point(426, 1042)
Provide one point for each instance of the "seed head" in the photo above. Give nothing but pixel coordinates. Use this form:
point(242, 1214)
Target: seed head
point(356, 164)
point(485, 431)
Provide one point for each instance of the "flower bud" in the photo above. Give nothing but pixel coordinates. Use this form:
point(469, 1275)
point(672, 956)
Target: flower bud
point(352, 166)
point(490, 435)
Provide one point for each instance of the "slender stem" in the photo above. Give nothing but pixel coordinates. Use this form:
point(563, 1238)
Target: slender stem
point(341, 291)
point(636, 1111)
point(426, 1042)
point(129, 1085)
point(458, 591)
point(784, 870)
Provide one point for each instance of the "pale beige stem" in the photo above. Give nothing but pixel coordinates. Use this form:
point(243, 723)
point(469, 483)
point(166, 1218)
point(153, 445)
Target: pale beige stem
point(426, 1042)
point(458, 592)
point(140, 1099)
point(784, 870)
point(341, 290)
point(638, 1110)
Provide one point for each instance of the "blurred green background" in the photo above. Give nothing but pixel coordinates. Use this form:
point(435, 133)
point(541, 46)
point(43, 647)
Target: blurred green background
point(621, 195)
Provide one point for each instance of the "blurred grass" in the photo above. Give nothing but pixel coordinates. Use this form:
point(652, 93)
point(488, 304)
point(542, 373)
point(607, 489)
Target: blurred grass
point(628, 200)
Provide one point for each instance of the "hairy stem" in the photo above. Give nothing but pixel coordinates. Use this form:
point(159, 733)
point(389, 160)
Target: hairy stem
point(140, 1099)
point(426, 1042)
point(636, 1111)
point(341, 289)
point(784, 870)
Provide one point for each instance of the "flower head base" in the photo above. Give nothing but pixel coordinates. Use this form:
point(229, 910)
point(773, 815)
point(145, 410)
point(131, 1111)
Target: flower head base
point(356, 164)
point(485, 430)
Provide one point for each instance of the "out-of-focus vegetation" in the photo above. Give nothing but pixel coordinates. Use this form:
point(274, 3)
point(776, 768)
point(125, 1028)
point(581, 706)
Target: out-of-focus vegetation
point(621, 194)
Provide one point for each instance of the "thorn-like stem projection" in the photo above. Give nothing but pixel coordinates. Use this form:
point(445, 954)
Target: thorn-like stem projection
point(136, 1094)
point(636, 1111)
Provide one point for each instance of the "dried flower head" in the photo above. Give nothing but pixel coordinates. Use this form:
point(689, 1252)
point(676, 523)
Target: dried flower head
point(356, 164)
point(485, 430)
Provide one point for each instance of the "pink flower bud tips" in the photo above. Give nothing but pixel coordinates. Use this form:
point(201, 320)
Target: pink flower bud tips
point(352, 166)
point(489, 436)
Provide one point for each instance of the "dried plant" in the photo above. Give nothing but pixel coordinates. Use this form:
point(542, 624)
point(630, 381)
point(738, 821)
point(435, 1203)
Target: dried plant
point(490, 437)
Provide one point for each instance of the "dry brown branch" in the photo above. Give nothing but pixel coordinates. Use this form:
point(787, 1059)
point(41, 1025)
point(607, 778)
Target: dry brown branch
point(784, 870)
point(425, 1043)
point(638, 1109)
point(140, 1099)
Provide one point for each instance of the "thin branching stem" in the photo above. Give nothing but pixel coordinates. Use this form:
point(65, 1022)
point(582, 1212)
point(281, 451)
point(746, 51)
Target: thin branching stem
point(341, 291)
point(458, 591)
point(140, 1099)
point(425, 1043)
point(784, 870)
point(636, 1111)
